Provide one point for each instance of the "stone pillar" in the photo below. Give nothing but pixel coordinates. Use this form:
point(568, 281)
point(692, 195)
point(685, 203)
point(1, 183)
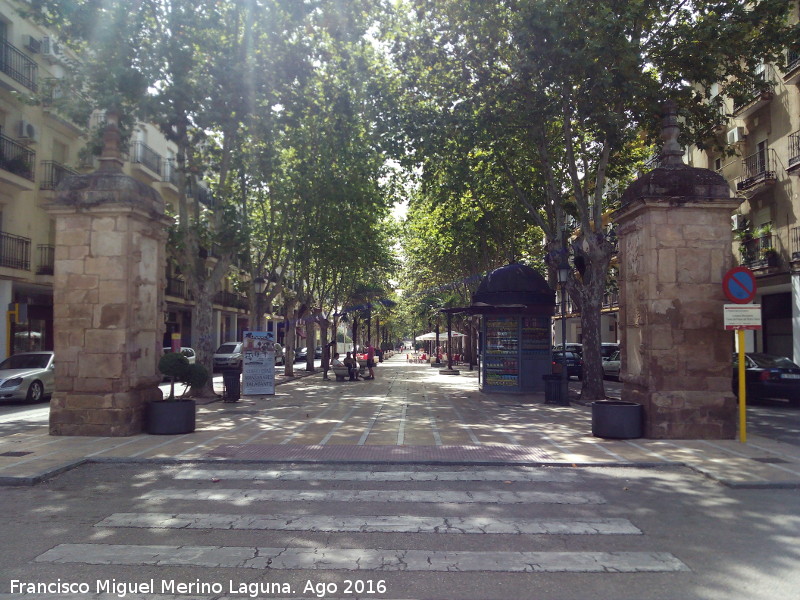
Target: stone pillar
point(108, 299)
point(675, 245)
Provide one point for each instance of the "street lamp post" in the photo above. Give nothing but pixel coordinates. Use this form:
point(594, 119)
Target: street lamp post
point(562, 273)
point(260, 285)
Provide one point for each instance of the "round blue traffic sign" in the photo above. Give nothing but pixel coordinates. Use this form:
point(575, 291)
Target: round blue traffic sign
point(739, 285)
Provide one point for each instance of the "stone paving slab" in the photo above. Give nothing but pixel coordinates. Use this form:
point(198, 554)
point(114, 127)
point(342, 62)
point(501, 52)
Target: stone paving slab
point(409, 414)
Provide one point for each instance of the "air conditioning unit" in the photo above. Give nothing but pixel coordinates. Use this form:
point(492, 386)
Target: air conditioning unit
point(26, 131)
point(31, 43)
point(51, 51)
point(738, 222)
point(736, 135)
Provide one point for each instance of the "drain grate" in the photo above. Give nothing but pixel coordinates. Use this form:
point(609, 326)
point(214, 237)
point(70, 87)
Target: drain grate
point(20, 453)
point(771, 460)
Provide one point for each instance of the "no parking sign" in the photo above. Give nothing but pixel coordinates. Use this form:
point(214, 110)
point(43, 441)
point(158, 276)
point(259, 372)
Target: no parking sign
point(739, 285)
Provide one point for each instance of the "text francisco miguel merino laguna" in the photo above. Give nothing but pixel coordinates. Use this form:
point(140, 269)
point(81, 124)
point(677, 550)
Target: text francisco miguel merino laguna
point(153, 586)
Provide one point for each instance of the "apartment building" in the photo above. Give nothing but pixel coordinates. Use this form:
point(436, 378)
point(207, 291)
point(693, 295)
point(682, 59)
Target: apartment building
point(39, 146)
point(763, 130)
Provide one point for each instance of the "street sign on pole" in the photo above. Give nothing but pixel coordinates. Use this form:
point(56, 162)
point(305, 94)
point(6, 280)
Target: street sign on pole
point(742, 316)
point(739, 285)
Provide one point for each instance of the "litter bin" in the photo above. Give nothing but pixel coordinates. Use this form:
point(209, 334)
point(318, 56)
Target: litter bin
point(555, 392)
point(230, 378)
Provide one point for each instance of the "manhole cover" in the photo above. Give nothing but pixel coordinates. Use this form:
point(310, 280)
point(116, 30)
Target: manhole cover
point(771, 460)
point(20, 453)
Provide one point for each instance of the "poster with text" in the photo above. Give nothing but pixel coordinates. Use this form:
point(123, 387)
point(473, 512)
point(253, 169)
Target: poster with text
point(258, 363)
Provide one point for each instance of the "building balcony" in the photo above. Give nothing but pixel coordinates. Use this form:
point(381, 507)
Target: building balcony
point(760, 255)
point(18, 66)
point(47, 259)
point(793, 165)
point(792, 72)
point(170, 173)
point(146, 161)
point(794, 235)
point(176, 288)
point(758, 173)
point(16, 164)
point(229, 299)
point(53, 173)
point(15, 251)
point(748, 101)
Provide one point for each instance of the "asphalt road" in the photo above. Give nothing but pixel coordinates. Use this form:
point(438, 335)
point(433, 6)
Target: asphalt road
point(383, 531)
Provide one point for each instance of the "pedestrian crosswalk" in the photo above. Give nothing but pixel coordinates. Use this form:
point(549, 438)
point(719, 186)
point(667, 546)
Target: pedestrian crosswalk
point(359, 524)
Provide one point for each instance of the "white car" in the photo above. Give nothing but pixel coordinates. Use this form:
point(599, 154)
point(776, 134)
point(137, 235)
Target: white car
point(611, 366)
point(27, 376)
point(189, 353)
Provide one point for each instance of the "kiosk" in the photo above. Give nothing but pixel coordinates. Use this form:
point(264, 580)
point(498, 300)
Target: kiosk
point(517, 307)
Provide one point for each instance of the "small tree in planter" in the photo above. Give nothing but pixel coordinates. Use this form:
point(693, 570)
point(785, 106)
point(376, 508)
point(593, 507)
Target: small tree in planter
point(175, 366)
point(174, 415)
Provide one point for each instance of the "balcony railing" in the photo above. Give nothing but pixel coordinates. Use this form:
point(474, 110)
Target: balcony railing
point(170, 172)
point(18, 65)
point(15, 251)
point(204, 195)
point(47, 259)
point(756, 93)
point(227, 299)
point(795, 235)
point(54, 173)
point(792, 60)
point(16, 158)
point(176, 287)
point(759, 252)
point(757, 169)
point(794, 150)
point(143, 154)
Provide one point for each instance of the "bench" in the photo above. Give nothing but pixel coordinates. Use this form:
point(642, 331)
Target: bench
point(342, 373)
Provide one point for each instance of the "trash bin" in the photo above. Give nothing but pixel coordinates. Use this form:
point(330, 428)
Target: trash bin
point(230, 378)
point(617, 419)
point(555, 392)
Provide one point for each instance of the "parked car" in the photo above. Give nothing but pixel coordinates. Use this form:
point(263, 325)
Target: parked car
point(768, 376)
point(611, 366)
point(607, 349)
point(574, 363)
point(318, 352)
point(189, 353)
point(27, 376)
point(571, 347)
point(228, 356)
point(300, 354)
point(280, 359)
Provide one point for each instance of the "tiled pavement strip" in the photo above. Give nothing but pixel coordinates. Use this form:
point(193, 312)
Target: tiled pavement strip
point(409, 414)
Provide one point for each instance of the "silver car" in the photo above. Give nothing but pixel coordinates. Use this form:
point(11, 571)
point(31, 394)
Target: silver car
point(611, 366)
point(228, 356)
point(27, 376)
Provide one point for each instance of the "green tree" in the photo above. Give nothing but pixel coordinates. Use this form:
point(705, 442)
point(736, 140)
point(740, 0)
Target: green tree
point(562, 108)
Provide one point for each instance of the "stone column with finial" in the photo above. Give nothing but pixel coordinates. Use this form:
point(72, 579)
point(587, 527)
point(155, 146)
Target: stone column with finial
point(675, 245)
point(108, 298)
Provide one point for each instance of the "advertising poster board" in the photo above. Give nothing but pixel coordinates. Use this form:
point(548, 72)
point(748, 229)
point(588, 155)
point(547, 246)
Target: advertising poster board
point(258, 363)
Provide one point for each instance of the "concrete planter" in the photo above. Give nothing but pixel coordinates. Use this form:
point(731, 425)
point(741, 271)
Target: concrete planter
point(617, 419)
point(171, 417)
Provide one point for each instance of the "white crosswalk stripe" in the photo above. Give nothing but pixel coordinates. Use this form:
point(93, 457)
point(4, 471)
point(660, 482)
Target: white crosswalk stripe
point(363, 559)
point(248, 496)
point(475, 502)
point(544, 475)
point(374, 523)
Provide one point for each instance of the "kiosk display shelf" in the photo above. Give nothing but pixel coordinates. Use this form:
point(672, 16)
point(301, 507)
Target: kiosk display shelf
point(516, 352)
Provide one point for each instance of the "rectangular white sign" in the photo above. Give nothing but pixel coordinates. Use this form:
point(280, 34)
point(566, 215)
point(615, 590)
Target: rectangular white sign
point(258, 363)
point(742, 316)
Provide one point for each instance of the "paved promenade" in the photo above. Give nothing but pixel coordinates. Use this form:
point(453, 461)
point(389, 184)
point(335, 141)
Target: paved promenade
point(409, 414)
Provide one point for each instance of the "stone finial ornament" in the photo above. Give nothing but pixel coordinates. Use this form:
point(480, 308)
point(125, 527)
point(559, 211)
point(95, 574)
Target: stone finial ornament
point(671, 153)
point(111, 157)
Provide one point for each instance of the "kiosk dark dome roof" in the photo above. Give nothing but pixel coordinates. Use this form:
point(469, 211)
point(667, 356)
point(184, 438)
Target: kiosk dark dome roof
point(513, 285)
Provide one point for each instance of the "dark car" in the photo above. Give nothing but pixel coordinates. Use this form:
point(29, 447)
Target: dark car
point(574, 363)
point(318, 352)
point(768, 376)
point(300, 354)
